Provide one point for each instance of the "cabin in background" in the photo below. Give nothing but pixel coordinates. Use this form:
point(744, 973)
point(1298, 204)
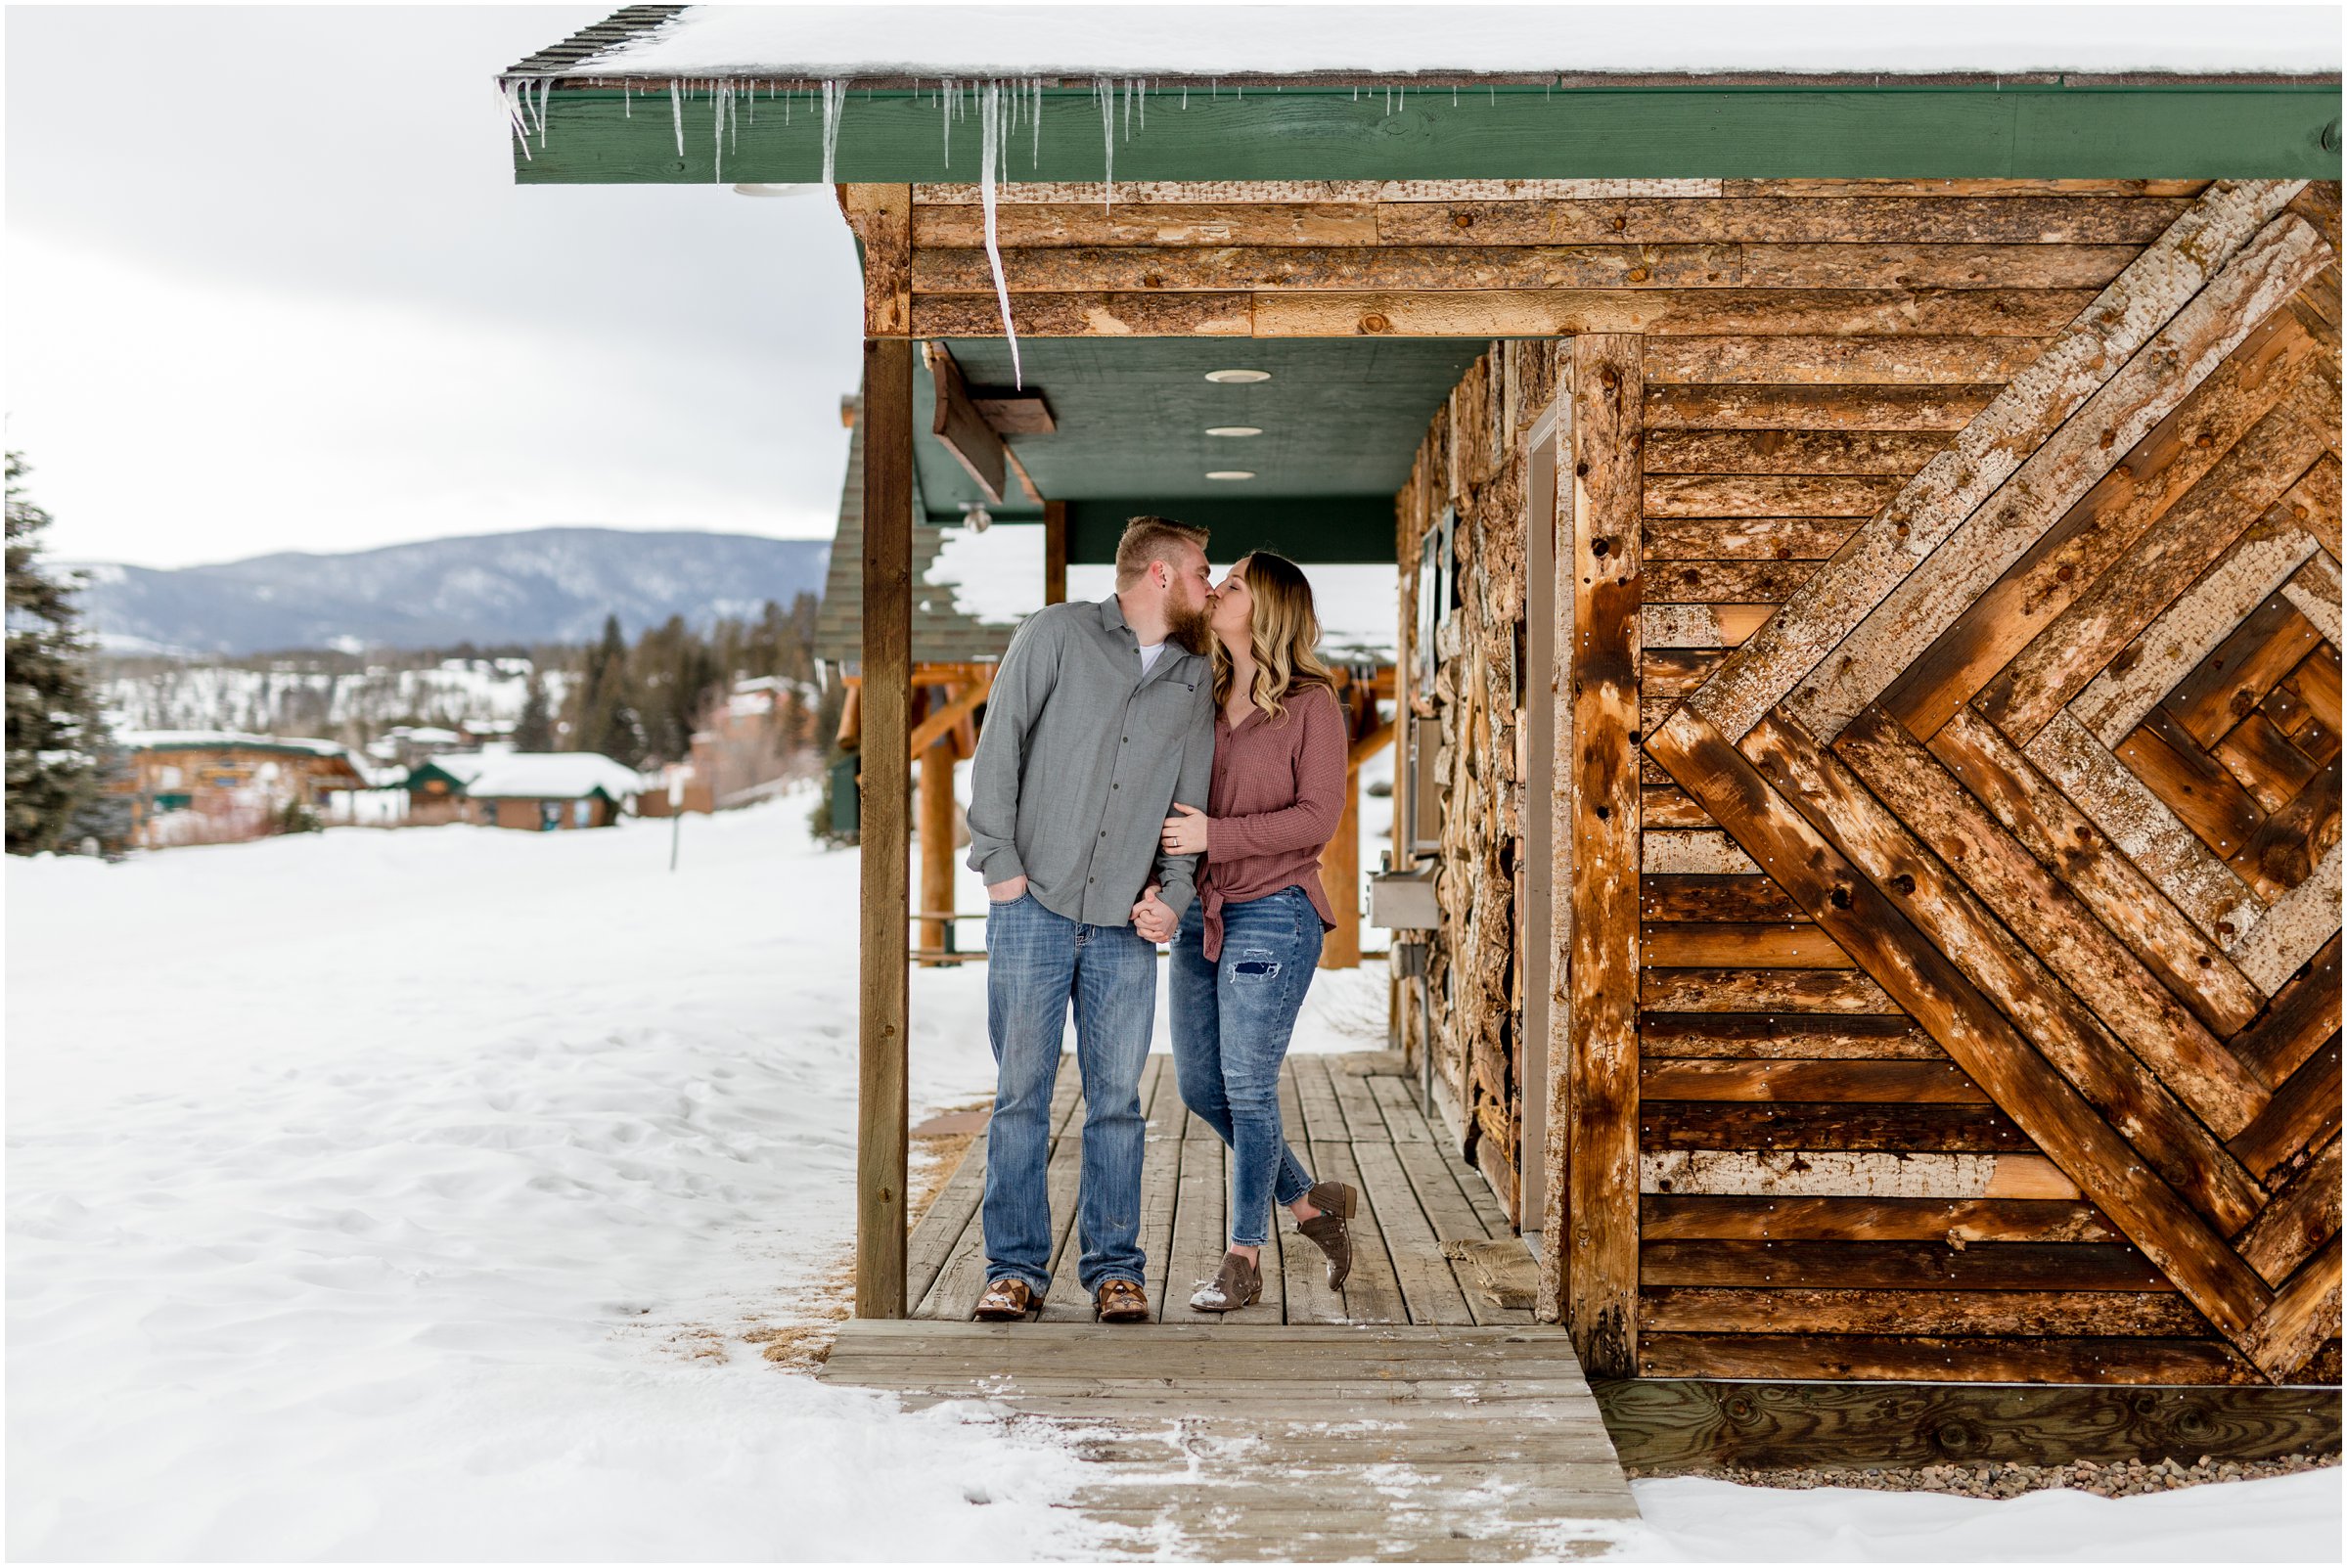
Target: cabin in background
point(532, 790)
point(214, 786)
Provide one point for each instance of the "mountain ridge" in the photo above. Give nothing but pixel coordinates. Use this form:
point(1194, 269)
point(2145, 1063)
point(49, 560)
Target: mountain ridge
point(537, 585)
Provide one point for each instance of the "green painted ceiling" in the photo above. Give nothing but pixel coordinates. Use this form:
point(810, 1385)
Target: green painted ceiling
point(1341, 420)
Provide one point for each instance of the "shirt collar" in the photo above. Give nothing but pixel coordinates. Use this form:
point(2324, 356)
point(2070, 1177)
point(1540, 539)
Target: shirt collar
point(1112, 614)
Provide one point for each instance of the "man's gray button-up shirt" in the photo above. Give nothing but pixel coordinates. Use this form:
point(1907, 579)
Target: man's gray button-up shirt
point(1070, 724)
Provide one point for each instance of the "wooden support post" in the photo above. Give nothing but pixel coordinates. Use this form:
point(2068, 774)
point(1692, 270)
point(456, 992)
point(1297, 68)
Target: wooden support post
point(886, 703)
point(936, 840)
point(1601, 1219)
point(1054, 552)
point(1341, 879)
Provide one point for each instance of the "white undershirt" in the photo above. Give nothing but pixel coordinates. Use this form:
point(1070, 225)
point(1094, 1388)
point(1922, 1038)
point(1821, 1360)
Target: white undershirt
point(1149, 655)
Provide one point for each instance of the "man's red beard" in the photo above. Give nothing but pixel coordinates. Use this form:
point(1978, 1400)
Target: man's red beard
point(1193, 629)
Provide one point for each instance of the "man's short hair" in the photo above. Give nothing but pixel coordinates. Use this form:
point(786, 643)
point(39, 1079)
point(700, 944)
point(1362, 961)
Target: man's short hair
point(1147, 539)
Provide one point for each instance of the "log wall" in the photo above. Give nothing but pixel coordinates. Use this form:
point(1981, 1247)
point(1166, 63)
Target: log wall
point(1985, 648)
point(1823, 1190)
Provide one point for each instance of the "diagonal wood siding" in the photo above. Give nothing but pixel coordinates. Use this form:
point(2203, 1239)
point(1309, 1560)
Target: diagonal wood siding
point(2002, 1090)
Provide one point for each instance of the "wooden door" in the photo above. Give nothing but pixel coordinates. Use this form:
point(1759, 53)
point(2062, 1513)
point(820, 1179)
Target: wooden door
point(2051, 750)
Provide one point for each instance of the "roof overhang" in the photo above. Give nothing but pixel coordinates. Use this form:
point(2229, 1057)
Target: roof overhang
point(660, 94)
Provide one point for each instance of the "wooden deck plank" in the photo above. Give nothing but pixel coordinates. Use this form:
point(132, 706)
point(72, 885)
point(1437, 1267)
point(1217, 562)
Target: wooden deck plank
point(954, 1210)
point(1198, 1234)
point(1323, 1121)
point(1364, 1122)
point(1430, 1291)
point(1160, 1182)
point(1373, 1293)
point(1245, 1441)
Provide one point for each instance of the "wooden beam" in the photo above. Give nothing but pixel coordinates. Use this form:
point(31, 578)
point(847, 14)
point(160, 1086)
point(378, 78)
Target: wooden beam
point(881, 218)
point(1054, 552)
point(885, 696)
point(1600, 1240)
point(1341, 879)
point(947, 716)
point(936, 771)
point(961, 428)
point(1662, 1426)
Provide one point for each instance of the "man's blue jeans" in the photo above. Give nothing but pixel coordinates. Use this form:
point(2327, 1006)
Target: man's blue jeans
point(1036, 964)
point(1232, 1020)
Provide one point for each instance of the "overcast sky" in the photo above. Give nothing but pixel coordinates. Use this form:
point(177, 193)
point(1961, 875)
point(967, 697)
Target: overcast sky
point(270, 287)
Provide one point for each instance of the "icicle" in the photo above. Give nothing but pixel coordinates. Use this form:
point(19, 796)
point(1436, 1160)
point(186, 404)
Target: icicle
point(511, 90)
point(834, 100)
point(1184, 98)
point(676, 113)
point(945, 115)
point(1145, 102)
point(1104, 91)
point(627, 102)
point(990, 144)
point(1035, 148)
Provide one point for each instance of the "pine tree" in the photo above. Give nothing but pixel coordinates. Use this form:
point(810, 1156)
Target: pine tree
point(52, 714)
point(534, 731)
point(607, 719)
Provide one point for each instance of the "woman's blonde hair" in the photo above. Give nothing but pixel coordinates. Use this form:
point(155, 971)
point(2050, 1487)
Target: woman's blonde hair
point(1283, 630)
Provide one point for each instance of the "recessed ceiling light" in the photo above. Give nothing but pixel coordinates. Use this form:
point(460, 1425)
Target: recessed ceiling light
point(1231, 473)
point(1238, 376)
point(1234, 429)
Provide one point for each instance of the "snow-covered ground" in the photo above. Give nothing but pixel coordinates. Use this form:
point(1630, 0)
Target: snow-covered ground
point(411, 1194)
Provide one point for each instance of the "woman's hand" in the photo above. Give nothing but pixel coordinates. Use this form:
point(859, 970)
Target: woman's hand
point(1152, 918)
point(1185, 833)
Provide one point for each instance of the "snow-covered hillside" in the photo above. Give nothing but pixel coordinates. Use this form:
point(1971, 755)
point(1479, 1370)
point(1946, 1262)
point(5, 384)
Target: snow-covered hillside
point(309, 702)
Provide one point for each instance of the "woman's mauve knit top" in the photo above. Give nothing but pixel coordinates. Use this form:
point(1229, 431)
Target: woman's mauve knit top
point(1277, 797)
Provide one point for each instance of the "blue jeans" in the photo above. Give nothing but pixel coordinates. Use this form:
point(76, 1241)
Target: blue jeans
point(1232, 1020)
point(1036, 963)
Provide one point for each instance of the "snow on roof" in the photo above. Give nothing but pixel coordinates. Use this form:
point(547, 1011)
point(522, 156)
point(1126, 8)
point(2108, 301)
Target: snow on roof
point(177, 739)
point(540, 775)
point(1100, 40)
point(994, 576)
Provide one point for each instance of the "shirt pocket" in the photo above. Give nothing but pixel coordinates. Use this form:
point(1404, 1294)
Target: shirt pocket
point(1165, 710)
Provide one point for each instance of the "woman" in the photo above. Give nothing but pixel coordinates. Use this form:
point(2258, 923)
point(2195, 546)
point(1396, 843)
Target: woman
point(1249, 943)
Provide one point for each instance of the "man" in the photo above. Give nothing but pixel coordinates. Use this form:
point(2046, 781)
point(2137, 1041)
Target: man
point(1100, 718)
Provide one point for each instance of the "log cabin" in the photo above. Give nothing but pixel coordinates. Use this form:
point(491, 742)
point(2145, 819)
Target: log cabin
point(528, 791)
point(1866, 557)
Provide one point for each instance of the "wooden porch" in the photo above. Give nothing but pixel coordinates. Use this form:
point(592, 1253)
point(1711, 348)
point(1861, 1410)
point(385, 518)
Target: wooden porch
point(1425, 1414)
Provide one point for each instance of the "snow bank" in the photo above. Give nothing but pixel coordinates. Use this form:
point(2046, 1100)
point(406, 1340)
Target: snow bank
point(406, 1195)
point(1160, 41)
point(2291, 1518)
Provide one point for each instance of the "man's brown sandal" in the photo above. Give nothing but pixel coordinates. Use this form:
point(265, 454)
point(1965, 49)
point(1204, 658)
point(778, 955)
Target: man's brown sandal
point(1007, 1300)
point(1237, 1284)
point(1326, 1230)
point(1120, 1301)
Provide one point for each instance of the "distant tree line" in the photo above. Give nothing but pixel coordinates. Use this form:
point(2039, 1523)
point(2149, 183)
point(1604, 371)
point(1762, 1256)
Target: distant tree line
point(640, 705)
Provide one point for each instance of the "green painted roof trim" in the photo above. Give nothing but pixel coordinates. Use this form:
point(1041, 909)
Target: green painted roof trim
point(1314, 530)
point(604, 136)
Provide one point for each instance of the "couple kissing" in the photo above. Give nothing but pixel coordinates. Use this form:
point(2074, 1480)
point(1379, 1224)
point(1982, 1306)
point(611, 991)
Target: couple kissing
point(1165, 765)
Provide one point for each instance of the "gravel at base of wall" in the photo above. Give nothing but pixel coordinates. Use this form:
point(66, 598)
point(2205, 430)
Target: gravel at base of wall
point(1985, 1479)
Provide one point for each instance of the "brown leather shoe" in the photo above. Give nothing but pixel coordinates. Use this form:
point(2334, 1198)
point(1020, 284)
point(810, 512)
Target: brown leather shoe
point(1237, 1284)
point(1007, 1300)
point(1120, 1301)
point(1326, 1230)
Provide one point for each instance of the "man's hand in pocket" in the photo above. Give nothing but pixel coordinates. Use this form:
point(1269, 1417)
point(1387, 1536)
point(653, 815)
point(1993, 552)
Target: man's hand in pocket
point(1005, 892)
